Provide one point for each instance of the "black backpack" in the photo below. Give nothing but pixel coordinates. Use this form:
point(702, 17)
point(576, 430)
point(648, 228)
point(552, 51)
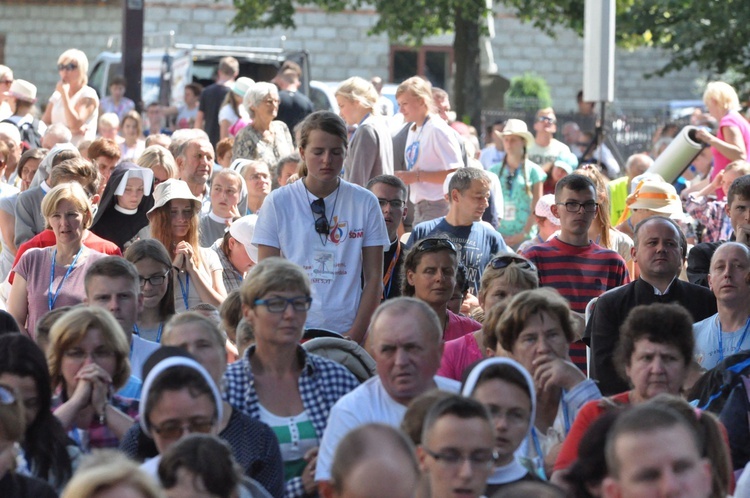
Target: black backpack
point(30, 135)
point(714, 387)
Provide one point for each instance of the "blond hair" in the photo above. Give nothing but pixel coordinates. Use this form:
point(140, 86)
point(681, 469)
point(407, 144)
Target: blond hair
point(360, 91)
point(724, 95)
point(72, 192)
point(420, 88)
point(75, 55)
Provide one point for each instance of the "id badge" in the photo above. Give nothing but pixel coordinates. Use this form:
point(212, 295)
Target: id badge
point(509, 213)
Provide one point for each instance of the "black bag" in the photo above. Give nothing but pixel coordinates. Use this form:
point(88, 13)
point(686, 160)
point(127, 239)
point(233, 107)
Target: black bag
point(30, 135)
point(713, 388)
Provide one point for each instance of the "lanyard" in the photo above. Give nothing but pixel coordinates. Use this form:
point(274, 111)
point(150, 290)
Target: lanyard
point(739, 344)
point(388, 277)
point(137, 332)
point(52, 298)
point(185, 289)
point(510, 179)
point(412, 151)
point(539, 460)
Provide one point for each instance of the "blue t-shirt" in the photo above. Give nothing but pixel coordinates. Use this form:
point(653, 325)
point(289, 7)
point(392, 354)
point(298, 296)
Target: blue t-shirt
point(707, 351)
point(477, 242)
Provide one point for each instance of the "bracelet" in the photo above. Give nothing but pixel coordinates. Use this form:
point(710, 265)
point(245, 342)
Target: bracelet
point(418, 171)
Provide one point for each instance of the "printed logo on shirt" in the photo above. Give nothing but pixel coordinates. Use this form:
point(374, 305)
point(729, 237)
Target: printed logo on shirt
point(339, 231)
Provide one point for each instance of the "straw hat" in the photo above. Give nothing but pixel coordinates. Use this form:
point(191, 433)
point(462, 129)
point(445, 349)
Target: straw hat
point(173, 189)
point(241, 85)
point(518, 128)
point(23, 90)
point(659, 197)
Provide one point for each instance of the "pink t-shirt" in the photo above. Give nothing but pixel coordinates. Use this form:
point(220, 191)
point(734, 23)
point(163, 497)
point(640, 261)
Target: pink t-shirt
point(459, 326)
point(457, 355)
point(732, 118)
point(34, 267)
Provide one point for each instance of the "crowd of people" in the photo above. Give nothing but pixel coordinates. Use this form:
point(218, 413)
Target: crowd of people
point(188, 309)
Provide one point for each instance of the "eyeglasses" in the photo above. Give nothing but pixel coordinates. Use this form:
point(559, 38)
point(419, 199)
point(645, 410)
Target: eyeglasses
point(174, 429)
point(279, 304)
point(96, 355)
point(500, 262)
point(394, 203)
point(321, 223)
point(155, 281)
point(70, 66)
point(454, 459)
point(546, 119)
point(435, 245)
point(7, 397)
point(574, 207)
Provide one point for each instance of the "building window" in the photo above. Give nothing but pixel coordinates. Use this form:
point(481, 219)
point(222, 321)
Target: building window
point(433, 62)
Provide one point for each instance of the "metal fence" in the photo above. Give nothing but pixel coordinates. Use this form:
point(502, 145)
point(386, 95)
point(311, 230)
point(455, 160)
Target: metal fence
point(629, 126)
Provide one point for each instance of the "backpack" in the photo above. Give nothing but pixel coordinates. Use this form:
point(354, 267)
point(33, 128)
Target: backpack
point(30, 135)
point(714, 387)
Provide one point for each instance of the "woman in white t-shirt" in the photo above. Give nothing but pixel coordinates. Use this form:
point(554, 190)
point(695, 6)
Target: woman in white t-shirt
point(333, 229)
point(432, 150)
point(74, 104)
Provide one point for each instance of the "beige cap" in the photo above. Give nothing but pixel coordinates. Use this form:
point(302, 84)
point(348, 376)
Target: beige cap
point(23, 90)
point(243, 229)
point(173, 189)
point(518, 128)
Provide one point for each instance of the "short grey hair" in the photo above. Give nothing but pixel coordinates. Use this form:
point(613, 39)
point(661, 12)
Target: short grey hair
point(406, 307)
point(256, 93)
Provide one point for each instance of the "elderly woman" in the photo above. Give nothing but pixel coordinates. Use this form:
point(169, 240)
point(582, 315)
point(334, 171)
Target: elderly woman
point(536, 330)
point(265, 138)
point(732, 140)
point(160, 161)
point(46, 449)
point(432, 150)
point(174, 222)
point(371, 146)
point(329, 226)
point(505, 276)
point(54, 275)
point(74, 104)
point(655, 349)
point(157, 286)
point(132, 130)
point(260, 460)
point(522, 183)
point(276, 381)
point(429, 274)
point(88, 361)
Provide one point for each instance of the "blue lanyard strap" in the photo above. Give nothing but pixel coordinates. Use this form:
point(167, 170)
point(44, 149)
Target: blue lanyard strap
point(185, 289)
point(739, 344)
point(539, 454)
point(52, 298)
point(137, 332)
point(412, 151)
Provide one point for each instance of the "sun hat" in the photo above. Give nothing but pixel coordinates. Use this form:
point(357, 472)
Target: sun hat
point(518, 128)
point(567, 161)
point(543, 210)
point(241, 85)
point(23, 90)
point(243, 229)
point(658, 196)
point(173, 189)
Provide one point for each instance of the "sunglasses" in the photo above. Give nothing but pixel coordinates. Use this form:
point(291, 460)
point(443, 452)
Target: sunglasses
point(500, 262)
point(6, 82)
point(546, 119)
point(321, 223)
point(435, 245)
point(7, 397)
point(70, 66)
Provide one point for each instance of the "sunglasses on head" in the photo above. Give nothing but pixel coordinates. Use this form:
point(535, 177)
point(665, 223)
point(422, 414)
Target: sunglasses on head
point(70, 66)
point(500, 262)
point(321, 222)
point(435, 244)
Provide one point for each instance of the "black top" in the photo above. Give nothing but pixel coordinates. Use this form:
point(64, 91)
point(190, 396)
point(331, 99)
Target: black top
point(210, 104)
point(293, 108)
point(14, 485)
point(254, 446)
point(610, 311)
point(392, 287)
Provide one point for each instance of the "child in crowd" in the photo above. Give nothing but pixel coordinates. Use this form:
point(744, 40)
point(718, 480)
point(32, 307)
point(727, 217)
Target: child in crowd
point(226, 188)
point(116, 102)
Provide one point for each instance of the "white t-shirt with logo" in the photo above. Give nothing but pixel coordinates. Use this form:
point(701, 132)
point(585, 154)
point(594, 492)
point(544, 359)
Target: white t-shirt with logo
point(334, 261)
